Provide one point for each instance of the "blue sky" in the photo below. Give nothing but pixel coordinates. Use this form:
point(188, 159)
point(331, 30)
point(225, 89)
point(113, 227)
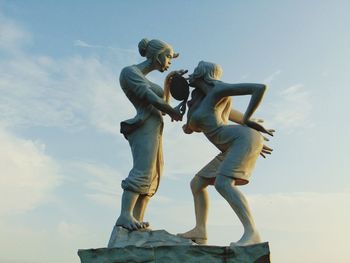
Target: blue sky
point(62, 157)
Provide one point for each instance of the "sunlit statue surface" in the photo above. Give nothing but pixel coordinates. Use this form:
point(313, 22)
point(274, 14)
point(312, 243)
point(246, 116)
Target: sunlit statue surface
point(144, 131)
point(240, 145)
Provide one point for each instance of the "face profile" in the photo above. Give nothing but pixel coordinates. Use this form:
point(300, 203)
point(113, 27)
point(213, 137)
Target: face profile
point(192, 81)
point(164, 59)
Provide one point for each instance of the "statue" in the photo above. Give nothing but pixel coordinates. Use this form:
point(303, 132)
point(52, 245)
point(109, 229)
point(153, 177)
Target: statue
point(209, 112)
point(144, 131)
point(240, 145)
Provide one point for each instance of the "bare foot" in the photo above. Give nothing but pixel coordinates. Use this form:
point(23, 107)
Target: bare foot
point(144, 224)
point(130, 223)
point(196, 235)
point(247, 239)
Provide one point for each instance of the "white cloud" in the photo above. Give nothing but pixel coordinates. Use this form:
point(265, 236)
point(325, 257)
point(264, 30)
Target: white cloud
point(304, 212)
point(70, 93)
point(102, 183)
point(81, 43)
point(305, 225)
point(272, 77)
point(185, 154)
point(69, 230)
point(12, 37)
point(27, 175)
point(84, 44)
point(293, 109)
point(47, 242)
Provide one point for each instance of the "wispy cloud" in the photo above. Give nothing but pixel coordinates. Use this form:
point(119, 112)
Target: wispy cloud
point(84, 44)
point(81, 43)
point(101, 182)
point(268, 80)
point(69, 230)
point(294, 108)
point(28, 175)
point(12, 36)
point(71, 93)
point(185, 154)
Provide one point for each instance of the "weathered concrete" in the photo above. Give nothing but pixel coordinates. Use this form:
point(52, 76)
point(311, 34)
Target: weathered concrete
point(161, 247)
point(178, 254)
point(122, 237)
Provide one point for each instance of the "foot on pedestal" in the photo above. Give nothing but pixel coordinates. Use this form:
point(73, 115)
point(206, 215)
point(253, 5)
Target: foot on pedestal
point(247, 239)
point(196, 235)
point(130, 223)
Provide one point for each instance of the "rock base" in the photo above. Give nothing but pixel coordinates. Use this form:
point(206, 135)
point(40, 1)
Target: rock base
point(161, 247)
point(122, 237)
point(178, 254)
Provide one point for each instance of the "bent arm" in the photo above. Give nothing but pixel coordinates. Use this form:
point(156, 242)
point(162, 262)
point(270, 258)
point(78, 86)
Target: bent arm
point(139, 86)
point(255, 90)
point(160, 104)
point(236, 116)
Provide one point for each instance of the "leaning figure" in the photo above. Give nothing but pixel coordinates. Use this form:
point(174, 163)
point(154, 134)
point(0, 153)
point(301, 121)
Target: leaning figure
point(144, 131)
point(239, 145)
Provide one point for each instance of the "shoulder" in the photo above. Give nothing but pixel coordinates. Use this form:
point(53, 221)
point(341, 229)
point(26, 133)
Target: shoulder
point(132, 74)
point(130, 71)
point(215, 88)
point(220, 90)
point(219, 86)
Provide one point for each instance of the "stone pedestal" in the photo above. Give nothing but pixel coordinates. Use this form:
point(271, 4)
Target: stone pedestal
point(161, 247)
point(122, 237)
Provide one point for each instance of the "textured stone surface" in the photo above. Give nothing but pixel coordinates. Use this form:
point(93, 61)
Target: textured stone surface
point(161, 247)
point(122, 237)
point(178, 254)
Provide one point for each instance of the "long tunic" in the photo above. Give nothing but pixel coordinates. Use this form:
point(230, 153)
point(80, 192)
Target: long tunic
point(240, 146)
point(144, 133)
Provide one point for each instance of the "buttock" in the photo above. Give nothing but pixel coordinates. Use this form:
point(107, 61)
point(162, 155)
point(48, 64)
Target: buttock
point(238, 158)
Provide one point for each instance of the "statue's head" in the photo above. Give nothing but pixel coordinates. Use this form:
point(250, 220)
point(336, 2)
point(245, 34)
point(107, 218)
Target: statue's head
point(206, 71)
point(158, 52)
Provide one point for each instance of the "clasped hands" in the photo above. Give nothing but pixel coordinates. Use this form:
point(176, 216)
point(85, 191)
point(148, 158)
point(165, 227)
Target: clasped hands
point(256, 124)
point(181, 108)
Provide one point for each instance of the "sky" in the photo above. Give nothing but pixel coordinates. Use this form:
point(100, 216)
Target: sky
point(62, 157)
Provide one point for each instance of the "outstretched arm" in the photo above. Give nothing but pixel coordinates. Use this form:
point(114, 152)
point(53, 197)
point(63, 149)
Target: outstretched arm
point(255, 90)
point(256, 124)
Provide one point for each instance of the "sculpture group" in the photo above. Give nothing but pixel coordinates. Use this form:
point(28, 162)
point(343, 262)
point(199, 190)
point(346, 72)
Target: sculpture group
point(209, 112)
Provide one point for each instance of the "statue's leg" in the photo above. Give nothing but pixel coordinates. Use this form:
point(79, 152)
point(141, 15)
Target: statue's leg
point(126, 218)
point(226, 187)
point(201, 205)
point(140, 208)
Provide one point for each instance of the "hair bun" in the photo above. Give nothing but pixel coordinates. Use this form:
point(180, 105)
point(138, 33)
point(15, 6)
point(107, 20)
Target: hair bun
point(143, 44)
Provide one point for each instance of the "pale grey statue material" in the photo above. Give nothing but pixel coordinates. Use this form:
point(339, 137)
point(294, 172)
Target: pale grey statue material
point(240, 145)
point(144, 131)
point(209, 113)
point(259, 253)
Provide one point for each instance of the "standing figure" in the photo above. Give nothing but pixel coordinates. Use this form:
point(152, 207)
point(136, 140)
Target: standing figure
point(144, 131)
point(240, 145)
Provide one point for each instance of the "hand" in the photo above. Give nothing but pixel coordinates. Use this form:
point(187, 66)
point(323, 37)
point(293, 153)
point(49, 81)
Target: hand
point(176, 115)
point(265, 150)
point(186, 128)
point(176, 72)
point(256, 124)
point(181, 108)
